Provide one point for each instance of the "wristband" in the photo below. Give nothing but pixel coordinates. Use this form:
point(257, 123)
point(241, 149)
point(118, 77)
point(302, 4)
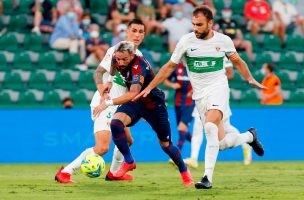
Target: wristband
point(109, 102)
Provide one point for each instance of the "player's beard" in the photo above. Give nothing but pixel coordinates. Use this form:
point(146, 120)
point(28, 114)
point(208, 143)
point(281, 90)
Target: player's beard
point(202, 35)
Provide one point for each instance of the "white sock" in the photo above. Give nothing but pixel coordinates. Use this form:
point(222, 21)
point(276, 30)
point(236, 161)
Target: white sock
point(75, 164)
point(212, 148)
point(235, 139)
point(197, 138)
point(245, 146)
point(117, 160)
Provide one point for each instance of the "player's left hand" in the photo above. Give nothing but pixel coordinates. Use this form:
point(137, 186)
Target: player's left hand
point(143, 93)
point(253, 82)
point(97, 110)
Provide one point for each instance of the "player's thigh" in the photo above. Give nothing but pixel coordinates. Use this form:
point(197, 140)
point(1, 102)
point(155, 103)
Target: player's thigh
point(102, 141)
point(217, 104)
point(128, 113)
point(159, 121)
point(102, 122)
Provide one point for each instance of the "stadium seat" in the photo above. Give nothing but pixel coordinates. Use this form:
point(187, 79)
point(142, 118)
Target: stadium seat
point(3, 63)
point(285, 81)
point(237, 6)
point(86, 81)
point(258, 76)
point(23, 61)
point(100, 7)
point(254, 42)
point(297, 97)
point(27, 99)
point(272, 43)
point(261, 59)
point(79, 98)
point(219, 5)
point(244, 56)
point(47, 61)
point(164, 58)
point(33, 42)
point(288, 61)
point(295, 43)
point(51, 99)
point(237, 82)
point(249, 97)
point(107, 37)
point(7, 7)
point(5, 99)
point(64, 81)
point(300, 80)
point(18, 23)
point(13, 81)
point(9, 42)
point(24, 6)
point(154, 42)
point(38, 81)
point(71, 60)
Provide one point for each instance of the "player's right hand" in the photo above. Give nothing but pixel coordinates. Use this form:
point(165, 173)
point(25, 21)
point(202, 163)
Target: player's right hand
point(253, 82)
point(143, 93)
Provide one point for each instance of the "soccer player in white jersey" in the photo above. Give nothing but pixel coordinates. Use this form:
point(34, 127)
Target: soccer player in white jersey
point(234, 140)
point(102, 130)
point(203, 52)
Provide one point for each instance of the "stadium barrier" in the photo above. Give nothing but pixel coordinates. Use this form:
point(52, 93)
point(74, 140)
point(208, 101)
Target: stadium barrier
point(49, 136)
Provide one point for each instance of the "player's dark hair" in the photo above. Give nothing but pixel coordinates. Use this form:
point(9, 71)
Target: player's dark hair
point(271, 67)
point(205, 10)
point(136, 21)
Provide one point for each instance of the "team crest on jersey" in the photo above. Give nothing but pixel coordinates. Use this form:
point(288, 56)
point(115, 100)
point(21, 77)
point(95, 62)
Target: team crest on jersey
point(135, 66)
point(218, 48)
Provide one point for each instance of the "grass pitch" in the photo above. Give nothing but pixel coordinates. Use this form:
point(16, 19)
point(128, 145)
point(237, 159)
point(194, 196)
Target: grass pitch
point(232, 180)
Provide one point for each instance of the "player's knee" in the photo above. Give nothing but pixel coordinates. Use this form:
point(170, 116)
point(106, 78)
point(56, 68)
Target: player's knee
point(117, 126)
point(102, 150)
point(210, 128)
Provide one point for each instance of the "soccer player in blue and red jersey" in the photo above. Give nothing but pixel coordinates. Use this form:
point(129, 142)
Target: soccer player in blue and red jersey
point(137, 74)
point(184, 104)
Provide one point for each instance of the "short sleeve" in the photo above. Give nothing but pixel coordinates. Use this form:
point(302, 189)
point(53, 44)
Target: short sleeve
point(179, 51)
point(107, 60)
point(229, 47)
point(139, 72)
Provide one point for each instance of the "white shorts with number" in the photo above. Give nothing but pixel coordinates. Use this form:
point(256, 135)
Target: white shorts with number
point(214, 97)
point(103, 121)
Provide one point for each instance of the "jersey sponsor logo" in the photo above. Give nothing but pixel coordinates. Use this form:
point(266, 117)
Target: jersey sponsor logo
point(204, 64)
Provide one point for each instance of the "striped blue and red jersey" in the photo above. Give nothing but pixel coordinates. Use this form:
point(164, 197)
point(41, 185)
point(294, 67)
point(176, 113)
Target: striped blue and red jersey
point(139, 71)
point(183, 96)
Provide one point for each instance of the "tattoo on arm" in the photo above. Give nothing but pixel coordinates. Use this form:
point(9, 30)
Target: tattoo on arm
point(98, 75)
point(135, 88)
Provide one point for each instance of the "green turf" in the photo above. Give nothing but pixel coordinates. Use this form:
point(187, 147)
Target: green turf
point(232, 180)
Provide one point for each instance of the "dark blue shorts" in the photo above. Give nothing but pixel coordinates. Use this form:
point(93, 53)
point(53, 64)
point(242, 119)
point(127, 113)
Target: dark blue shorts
point(184, 114)
point(157, 118)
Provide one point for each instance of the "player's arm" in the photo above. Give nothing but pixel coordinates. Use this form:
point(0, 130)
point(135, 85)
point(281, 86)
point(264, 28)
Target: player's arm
point(162, 75)
point(242, 68)
point(229, 73)
point(171, 84)
point(102, 88)
point(134, 90)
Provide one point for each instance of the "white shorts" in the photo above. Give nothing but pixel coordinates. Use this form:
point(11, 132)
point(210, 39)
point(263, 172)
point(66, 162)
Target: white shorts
point(103, 121)
point(214, 97)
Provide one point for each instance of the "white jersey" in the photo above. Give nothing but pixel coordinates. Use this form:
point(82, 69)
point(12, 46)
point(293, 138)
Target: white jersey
point(204, 60)
point(119, 87)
